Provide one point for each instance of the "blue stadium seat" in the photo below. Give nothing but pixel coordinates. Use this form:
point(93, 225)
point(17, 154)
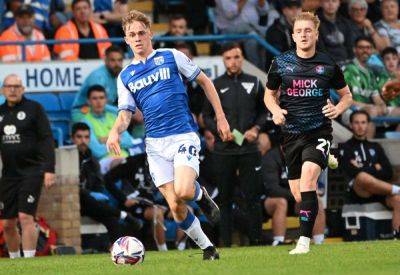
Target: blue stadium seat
point(66, 100)
point(49, 101)
point(392, 135)
point(61, 128)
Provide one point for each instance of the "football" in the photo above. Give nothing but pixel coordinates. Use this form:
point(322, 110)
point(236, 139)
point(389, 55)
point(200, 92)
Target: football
point(127, 251)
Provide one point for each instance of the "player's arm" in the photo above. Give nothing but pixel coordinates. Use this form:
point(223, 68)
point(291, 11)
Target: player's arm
point(274, 81)
point(121, 124)
point(126, 107)
point(346, 99)
point(212, 96)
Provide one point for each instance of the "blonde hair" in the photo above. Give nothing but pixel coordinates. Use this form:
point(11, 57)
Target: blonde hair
point(135, 15)
point(308, 16)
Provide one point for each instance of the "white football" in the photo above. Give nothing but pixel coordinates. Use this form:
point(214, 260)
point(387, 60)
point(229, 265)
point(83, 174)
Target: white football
point(127, 250)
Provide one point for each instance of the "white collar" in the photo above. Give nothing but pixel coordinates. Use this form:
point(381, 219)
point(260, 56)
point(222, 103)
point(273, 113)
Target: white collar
point(135, 62)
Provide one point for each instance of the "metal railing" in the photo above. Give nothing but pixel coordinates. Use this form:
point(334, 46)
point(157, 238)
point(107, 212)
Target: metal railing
point(199, 38)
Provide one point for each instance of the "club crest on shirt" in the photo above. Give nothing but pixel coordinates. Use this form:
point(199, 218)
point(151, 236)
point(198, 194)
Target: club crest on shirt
point(21, 115)
point(248, 86)
point(372, 152)
point(320, 69)
point(159, 60)
point(1, 118)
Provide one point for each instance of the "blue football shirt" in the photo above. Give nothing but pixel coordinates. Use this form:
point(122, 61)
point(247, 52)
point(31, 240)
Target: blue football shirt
point(157, 88)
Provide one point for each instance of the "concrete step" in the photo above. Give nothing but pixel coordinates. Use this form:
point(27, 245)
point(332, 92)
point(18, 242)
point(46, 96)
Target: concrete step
point(145, 6)
point(203, 48)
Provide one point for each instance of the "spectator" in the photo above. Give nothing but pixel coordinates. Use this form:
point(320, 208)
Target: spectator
point(177, 27)
point(47, 14)
point(335, 34)
point(362, 26)
point(278, 201)
point(242, 17)
point(389, 26)
point(196, 13)
point(363, 83)
point(241, 96)
point(279, 34)
point(136, 196)
point(81, 26)
point(106, 76)
point(27, 154)
point(8, 16)
point(109, 13)
point(100, 122)
point(368, 170)
point(391, 60)
point(23, 30)
point(94, 203)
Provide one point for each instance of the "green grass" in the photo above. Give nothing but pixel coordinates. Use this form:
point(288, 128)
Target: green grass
point(343, 258)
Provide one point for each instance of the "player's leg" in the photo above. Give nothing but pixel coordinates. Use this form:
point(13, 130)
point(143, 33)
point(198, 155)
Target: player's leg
point(308, 206)
point(319, 226)
point(29, 234)
point(28, 200)
point(394, 203)
point(156, 215)
point(187, 221)
point(277, 209)
point(366, 185)
point(12, 237)
point(186, 170)
point(8, 213)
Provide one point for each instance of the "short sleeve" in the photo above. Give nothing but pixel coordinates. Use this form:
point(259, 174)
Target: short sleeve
point(274, 79)
point(186, 66)
point(125, 99)
point(338, 82)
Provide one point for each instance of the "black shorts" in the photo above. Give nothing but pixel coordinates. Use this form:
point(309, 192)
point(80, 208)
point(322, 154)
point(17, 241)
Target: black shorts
point(19, 195)
point(311, 146)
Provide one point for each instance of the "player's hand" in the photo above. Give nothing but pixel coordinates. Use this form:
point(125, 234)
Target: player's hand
point(49, 179)
point(279, 117)
point(224, 129)
point(113, 143)
point(330, 110)
point(251, 134)
point(130, 202)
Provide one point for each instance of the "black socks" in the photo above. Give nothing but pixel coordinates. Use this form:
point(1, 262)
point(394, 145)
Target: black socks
point(308, 212)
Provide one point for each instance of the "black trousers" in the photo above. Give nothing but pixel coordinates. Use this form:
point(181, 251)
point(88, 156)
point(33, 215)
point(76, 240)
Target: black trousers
point(102, 213)
point(245, 170)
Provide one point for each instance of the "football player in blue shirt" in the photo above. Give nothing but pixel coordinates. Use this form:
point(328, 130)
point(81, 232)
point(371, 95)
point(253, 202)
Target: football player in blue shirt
point(153, 83)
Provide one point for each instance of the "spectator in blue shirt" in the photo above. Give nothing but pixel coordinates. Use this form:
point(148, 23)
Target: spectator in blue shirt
point(106, 76)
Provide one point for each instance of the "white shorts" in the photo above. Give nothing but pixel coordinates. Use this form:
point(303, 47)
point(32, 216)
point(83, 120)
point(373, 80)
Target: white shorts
point(166, 153)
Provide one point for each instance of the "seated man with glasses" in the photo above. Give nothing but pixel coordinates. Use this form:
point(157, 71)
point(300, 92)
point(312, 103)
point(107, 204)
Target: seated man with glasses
point(363, 83)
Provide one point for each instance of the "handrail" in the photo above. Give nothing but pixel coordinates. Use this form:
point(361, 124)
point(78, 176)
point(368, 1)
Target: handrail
point(261, 41)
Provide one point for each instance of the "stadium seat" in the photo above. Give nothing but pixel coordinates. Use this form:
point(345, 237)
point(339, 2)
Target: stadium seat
point(66, 100)
point(49, 101)
point(392, 135)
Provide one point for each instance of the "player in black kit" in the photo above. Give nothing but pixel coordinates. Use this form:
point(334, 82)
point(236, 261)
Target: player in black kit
point(303, 78)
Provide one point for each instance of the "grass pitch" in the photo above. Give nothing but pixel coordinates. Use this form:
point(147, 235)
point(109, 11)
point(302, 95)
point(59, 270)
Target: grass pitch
point(381, 257)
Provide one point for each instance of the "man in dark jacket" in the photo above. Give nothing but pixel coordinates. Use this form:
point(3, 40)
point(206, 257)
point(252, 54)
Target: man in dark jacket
point(368, 170)
point(335, 35)
point(279, 34)
point(241, 97)
point(177, 27)
point(93, 201)
point(27, 154)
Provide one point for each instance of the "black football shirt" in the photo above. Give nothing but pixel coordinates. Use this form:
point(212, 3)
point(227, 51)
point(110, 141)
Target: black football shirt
point(304, 86)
